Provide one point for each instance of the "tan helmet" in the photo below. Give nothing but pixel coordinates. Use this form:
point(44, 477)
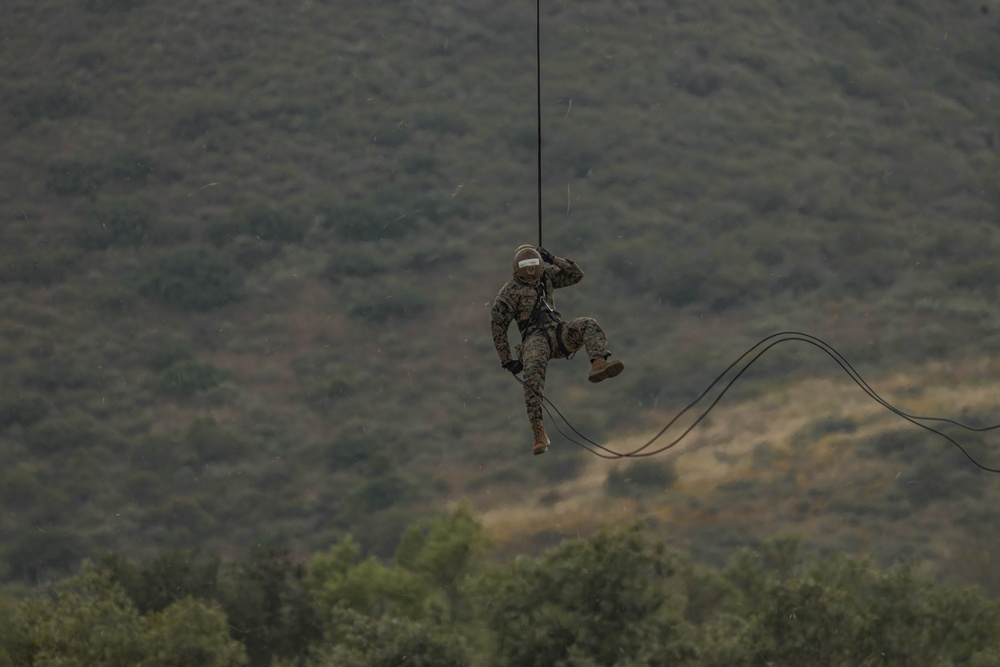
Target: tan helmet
point(527, 265)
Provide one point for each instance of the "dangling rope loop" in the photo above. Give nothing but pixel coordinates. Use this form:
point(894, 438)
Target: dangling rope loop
point(740, 366)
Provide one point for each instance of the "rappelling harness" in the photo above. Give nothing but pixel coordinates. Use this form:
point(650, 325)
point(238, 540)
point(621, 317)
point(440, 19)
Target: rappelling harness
point(541, 315)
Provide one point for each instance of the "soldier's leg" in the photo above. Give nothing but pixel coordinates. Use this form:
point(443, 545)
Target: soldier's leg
point(535, 355)
point(587, 333)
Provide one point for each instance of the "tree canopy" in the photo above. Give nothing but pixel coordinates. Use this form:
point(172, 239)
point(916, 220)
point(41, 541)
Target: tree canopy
point(618, 598)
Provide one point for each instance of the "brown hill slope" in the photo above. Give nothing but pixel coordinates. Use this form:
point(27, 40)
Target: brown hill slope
point(816, 459)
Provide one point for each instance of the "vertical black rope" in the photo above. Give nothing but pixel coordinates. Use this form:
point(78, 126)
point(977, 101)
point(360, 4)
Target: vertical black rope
point(538, 91)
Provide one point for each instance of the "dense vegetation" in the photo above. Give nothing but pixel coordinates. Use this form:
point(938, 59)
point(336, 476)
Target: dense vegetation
point(247, 252)
point(617, 598)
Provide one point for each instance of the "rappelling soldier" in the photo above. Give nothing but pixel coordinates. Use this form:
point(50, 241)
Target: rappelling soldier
point(527, 300)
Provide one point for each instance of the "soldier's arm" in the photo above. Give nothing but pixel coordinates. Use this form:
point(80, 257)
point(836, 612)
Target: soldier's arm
point(502, 315)
point(565, 272)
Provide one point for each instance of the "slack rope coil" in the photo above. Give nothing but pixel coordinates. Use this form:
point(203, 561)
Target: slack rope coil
point(736, 370)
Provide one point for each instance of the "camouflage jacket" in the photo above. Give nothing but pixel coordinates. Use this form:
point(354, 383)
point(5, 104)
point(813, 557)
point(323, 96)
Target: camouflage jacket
point(517, 302)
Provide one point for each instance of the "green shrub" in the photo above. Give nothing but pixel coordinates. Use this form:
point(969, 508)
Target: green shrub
point(115, 299)
point(683, 288)
point(436, 257)
point(198, 121)
point(442, 49)
point(35, 267)
point(820, 428)
point(718, 283)
point(843, 76)
point(940, 476)
point(505, 477)
point(23, 409)
point(640, 478)
point(169, 232)
point(355, 263)
point(190, 279)
point(131, 168)
point(172, 576)
point(394, 211)
point(35, 555)
point(525, 138)
point(322, 392)
point(42, 346)
point(184, 517)
point(20, 489)
point(59, 435)
point(442, 122)
point(400, 305)
point(700, 82)
point(260, 222)
point(392, 136)
point(167, 355)
point(349, 450)
point(765, 455)
point(75, 177)
point(562, 467)
point(895, 444)
point(107, 6)
point(374, 219)
point(116, 222)
point(980, 273)
point(48, 101)
point(249, 253)
point(984, 55)
point(421, 163)
point(438, 208)
point(186, 378)
point(549, 498)
point(290, 116)
point(91, 60)
point(144, 487)
point(67, 371)
point(382, 493)
point(213, 443)
point(741, 488)
point(158, 451)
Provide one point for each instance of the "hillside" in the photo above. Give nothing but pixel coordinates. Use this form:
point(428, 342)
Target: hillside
point(248, 253)
point(815, 459)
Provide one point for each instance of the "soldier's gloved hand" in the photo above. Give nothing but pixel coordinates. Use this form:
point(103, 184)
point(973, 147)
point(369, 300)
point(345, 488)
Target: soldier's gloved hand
point(546, 255)
point(514, 366)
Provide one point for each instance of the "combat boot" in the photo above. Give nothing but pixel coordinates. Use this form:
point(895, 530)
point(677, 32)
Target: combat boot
point(541, 440)
point(602, 369)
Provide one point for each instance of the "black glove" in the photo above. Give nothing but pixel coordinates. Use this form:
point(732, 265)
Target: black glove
point(546, 255)
point(514, 366)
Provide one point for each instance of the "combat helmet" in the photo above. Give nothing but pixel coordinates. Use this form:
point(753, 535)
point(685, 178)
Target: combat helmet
point(527, 265)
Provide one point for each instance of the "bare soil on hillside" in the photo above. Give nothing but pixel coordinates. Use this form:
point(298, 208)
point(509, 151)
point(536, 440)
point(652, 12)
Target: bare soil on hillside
point(796, 459)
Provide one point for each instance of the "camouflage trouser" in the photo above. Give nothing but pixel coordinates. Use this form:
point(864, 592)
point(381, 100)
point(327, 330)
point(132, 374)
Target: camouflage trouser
point(535, 353)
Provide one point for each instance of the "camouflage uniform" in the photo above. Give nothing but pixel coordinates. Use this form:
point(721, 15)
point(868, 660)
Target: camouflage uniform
point(545, 337)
